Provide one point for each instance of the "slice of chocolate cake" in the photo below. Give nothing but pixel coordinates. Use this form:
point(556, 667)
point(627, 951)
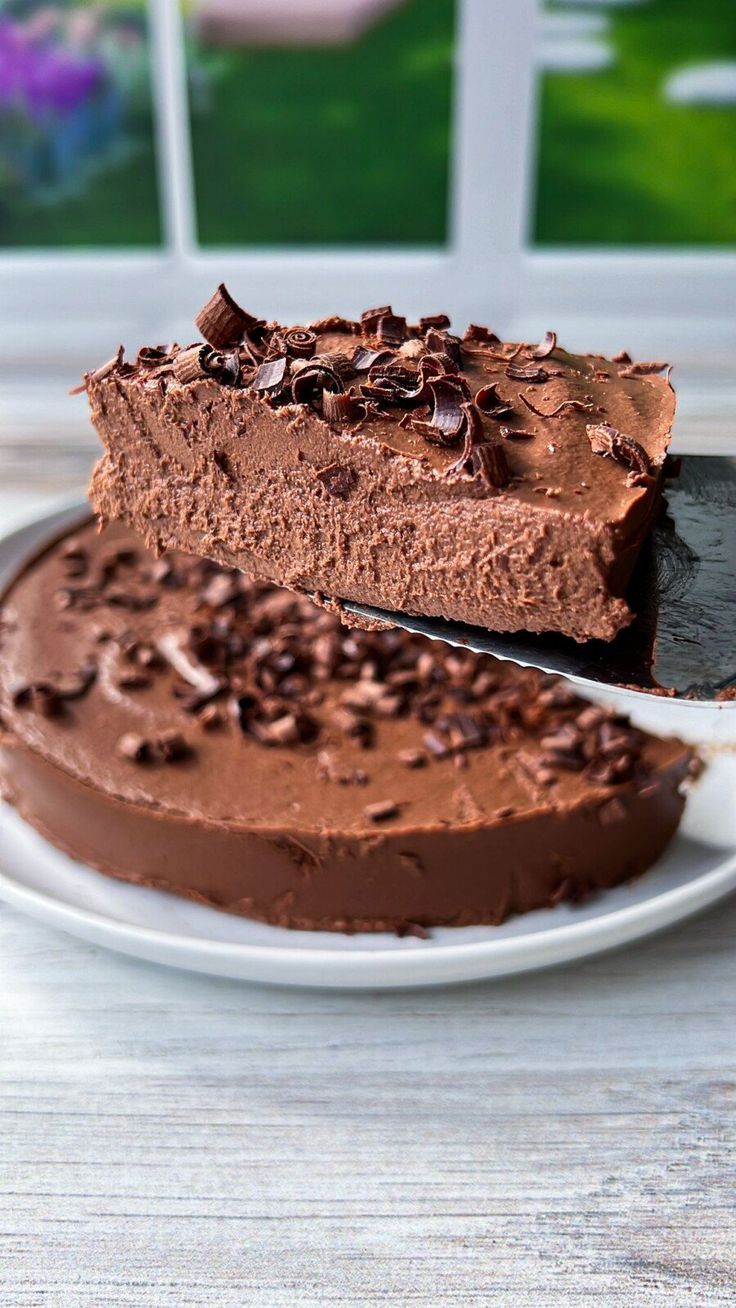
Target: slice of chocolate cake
point(178, 726)
point(509, 486)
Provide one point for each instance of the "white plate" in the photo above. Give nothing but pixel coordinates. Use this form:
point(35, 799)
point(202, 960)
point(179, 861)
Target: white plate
point(697, 870)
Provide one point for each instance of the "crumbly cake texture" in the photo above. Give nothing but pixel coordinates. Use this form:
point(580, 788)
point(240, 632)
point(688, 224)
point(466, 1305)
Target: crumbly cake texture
point(179, 726)
point(510, 486)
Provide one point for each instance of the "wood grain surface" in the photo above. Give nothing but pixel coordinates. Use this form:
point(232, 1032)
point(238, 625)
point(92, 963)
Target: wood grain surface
point(550, 1141)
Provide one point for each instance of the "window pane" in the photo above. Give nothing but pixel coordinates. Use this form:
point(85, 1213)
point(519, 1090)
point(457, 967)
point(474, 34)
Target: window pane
point(321, 121)
point(77, 163)
point(637, 132)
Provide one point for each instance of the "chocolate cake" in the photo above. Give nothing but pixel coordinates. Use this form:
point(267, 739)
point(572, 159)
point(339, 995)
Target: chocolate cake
point(179, 726)
point(506, 485)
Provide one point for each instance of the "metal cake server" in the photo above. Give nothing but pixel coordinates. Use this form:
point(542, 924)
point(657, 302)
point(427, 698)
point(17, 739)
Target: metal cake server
point(683, 639)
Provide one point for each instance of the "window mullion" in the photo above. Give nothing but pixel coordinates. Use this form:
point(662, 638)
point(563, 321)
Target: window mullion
point(173, 136)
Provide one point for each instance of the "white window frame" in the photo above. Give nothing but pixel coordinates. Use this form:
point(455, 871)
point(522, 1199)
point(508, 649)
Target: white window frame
point(77, 306)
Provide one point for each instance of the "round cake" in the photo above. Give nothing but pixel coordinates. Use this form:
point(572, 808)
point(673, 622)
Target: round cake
point(175, 725)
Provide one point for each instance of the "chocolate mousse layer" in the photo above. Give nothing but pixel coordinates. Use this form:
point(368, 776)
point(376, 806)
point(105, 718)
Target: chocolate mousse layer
point(179, 726)
point(506, 485)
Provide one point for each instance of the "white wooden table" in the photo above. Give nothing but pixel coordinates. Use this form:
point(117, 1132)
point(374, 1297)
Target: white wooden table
point(551, 1141)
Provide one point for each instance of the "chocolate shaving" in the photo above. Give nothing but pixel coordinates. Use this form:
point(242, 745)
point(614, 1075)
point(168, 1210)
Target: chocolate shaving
point(301, 343)
point(491, 403)
point(396, 384)
point(324, 372)
point(339, 407)
point(566, 406)
point(441, 342)
point(172, 647)
point(134, 747)
point(545, 347)
point(435, 744)
point(187, 365)
point(39, 696)
point(225, 368)
point(364, 359)
point(473, 435)
point(110, 366)
point(270, 376)
point(477, 335)
point(489, 462)
point(337, 480)
point(517, 434)
point(253, 346)
point(229, 369)
point(152, 356)
point(172, 747)
point(48, 698)
point(608, 441)
point(222, 322)
point(439, 364)
point(391, 329)
point(78, 685)
point(518, 373)
point(381, 811)
point(370, 318)
point(448, 417)
point(335, 323)
point(643, 369)
point(169, 747)
point(439, 321)
point(99, 374)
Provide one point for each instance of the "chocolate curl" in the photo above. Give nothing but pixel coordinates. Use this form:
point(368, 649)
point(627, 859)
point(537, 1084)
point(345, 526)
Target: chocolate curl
point(152, 356)
point(187, 365)
point(611, 443)
point(481, 457)
point(363, 359)
point(222, 322)
point(518, 373)
point(99, 374)
point(339, 406)
point(448, 418)
point(300, 343)
point(491, 403)
point(545, 347)
point(324, 372)
point(566, 406)
point(441, 342)
point(473, 435)
point(396, 384)
point(490, 463)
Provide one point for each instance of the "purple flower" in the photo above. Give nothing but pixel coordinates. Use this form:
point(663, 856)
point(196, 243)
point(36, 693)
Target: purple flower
point(42, 79)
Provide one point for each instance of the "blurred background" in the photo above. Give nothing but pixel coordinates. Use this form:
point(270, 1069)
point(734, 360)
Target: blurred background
point(560, 163)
